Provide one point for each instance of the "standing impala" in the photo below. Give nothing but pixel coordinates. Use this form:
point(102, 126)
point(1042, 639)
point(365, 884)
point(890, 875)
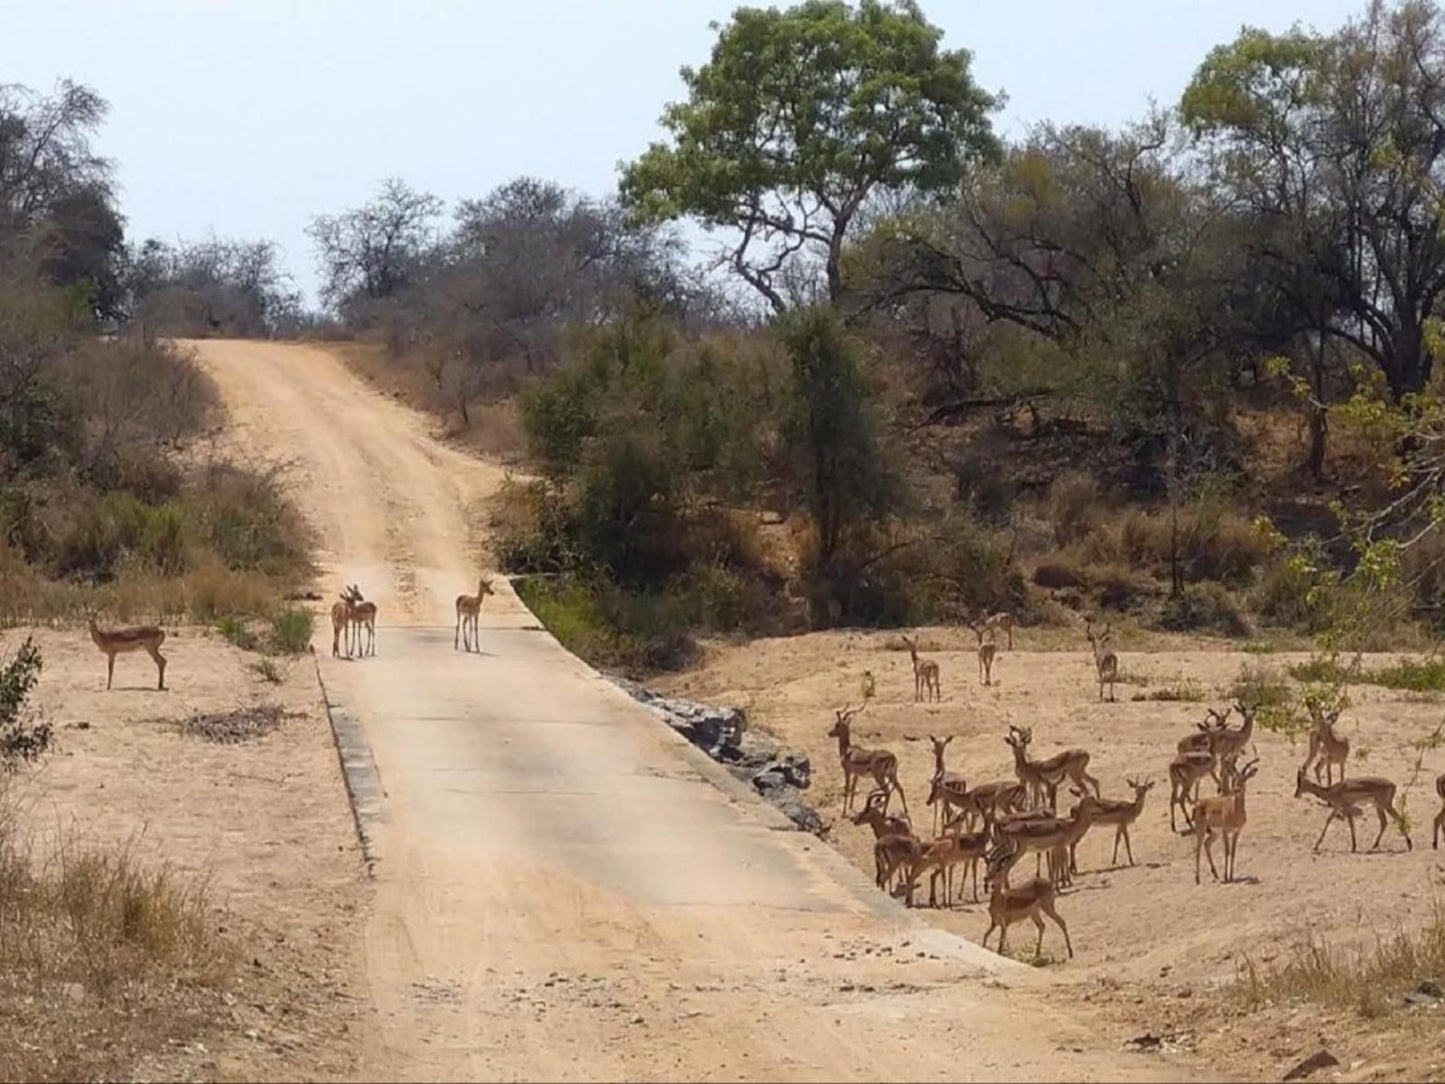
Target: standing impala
point(469, 609)
point(855, 760)
point(1106, 663)
point(363, 617)
point(113, 642)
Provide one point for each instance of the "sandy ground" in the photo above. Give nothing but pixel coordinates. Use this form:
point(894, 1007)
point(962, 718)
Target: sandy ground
point(265, 822)
point(561, 893)
point(1147, 938)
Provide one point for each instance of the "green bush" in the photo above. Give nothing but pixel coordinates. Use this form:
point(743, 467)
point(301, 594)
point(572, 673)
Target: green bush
point(237, 631)
point(291, 629)
point(1205, 607)
point(22, 739)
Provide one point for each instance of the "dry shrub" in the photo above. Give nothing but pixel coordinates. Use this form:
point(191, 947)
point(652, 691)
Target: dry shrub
point(1370, 978)
point(1060, 570)
point(102, 960)
point(1075, 507)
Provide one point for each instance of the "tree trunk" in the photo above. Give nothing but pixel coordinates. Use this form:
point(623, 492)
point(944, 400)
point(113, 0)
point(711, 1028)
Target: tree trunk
point(835, 265)
point(1318, 415)
point(1408, 366)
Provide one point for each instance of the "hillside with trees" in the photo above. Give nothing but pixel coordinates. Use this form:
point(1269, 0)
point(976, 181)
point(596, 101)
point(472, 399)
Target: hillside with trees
point(1159, 371)
point(109, 494)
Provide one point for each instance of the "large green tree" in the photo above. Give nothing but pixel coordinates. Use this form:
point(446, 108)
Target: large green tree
point(1336, 144)
point(799, 118)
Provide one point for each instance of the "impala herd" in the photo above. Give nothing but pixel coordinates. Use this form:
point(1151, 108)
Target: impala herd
point(999, 823)
point(353, 627)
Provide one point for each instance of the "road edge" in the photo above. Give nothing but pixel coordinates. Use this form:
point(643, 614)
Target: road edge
point(364, 792)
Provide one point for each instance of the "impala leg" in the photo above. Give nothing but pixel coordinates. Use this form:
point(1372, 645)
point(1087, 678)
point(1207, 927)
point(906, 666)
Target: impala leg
point(1002, 933)
point(1380, 813)
point(109, 670)
point(1326, 828)
point(160, 661)
point(1048, 908)
point(1039, 922)
point(1127, 845)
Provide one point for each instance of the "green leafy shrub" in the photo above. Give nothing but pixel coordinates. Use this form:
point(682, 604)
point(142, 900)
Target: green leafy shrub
point(291, 629)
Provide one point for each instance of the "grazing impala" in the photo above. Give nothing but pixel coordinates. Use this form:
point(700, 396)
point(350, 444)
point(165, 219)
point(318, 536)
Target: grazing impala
point(469, 610)
point(113, 642)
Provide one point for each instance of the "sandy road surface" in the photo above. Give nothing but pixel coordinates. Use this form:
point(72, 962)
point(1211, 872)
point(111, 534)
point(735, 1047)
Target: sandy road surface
point(561, 893)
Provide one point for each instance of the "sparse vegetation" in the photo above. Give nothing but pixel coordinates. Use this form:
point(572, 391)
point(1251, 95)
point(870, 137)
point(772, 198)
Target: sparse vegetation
point(1427, 676)
point(1372, 979)
point(1190, 692)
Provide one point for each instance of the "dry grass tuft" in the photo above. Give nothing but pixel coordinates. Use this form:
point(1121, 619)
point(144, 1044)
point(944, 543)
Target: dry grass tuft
point(1370, 979)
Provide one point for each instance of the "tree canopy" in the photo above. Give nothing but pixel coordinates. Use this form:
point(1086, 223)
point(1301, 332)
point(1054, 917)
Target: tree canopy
point(799, 118)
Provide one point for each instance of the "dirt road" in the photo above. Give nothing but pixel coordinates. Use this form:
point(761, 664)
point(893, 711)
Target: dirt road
point(562, 893)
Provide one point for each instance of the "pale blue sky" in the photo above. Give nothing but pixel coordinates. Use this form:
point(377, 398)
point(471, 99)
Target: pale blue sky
point(246, 118)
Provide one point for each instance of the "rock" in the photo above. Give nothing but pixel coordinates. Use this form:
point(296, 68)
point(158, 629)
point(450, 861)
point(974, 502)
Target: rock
point(74, 991)
point(770, 518)
point(1147, 1041)
point(777, 774)
point(1430, 988)
point(1320, 1059)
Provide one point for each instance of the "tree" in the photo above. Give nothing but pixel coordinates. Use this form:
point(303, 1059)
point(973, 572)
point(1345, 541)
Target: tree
point(371, 252)
point(1336, 143)
point(798, 119)
point(57, 207)
point(841, 472)
point(22, 739)
point(216, 286)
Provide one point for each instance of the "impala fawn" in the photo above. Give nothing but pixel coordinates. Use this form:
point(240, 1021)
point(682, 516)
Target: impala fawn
point(469, 612)
point(113, 642)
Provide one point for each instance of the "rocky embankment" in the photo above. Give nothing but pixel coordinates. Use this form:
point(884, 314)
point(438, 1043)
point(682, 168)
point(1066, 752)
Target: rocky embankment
point(779, 775)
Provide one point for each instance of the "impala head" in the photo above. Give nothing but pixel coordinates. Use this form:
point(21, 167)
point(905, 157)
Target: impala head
point(940, 744)
point(1214, 720)
point(484, 587)
point(844, 717)
point(1140, 788)
point(1245, 774)
point(1021, 734)
point(1246, 711)
point(873, 807)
